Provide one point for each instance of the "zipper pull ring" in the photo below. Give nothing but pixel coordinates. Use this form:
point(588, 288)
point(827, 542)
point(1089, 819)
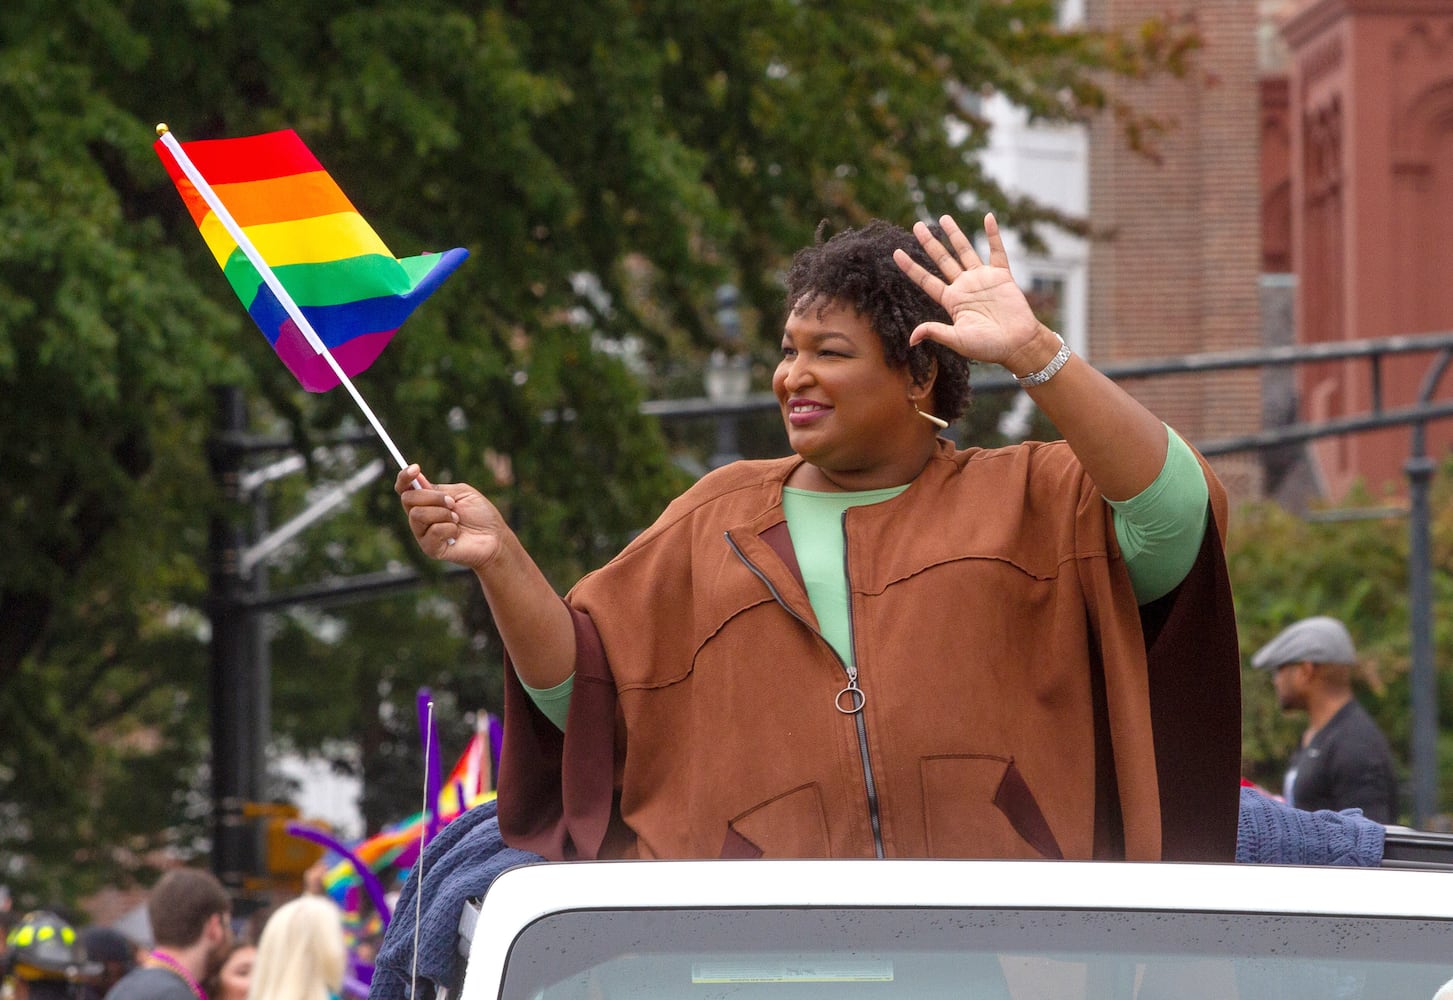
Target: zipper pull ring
point(855, 699)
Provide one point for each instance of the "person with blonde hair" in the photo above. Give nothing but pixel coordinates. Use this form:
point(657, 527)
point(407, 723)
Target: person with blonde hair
point(302, 953)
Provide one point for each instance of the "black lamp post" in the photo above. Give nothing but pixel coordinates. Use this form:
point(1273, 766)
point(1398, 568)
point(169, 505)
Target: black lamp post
point(1423, 676)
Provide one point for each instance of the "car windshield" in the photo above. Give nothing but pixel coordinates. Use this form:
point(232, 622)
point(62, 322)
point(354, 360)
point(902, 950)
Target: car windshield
point(845, 953)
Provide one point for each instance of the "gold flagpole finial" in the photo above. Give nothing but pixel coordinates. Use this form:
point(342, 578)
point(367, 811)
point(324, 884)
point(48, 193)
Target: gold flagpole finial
point(162, 129)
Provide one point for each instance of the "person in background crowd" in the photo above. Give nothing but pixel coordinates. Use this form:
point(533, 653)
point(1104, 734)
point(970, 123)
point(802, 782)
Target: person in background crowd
point(1343, 760)
point(233, 978)
point(44, 960)
point(191, 925)
point(114, 955)
point(302, 954)
point(8, 919)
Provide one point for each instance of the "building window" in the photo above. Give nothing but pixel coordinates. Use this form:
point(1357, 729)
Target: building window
point(1046, 297)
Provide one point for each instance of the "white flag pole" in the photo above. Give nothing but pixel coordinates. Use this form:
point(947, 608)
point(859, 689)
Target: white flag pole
point(286, 300)
point(425, 814)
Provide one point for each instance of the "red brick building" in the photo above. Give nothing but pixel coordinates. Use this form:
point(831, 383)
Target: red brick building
point(1367, 154)
point(1304, 194)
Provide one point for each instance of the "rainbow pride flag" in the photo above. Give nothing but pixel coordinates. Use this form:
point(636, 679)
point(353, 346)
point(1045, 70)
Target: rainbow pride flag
point(352, 291)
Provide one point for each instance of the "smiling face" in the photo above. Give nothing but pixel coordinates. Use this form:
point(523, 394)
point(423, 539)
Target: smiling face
point(847, 412)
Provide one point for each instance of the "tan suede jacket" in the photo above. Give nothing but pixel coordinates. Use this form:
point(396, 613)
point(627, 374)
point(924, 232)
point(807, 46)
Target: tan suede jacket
point(1009, 700)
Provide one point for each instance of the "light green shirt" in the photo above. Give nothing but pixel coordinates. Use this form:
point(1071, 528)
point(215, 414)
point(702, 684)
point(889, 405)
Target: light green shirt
point(1160, 528)
point(815, 521)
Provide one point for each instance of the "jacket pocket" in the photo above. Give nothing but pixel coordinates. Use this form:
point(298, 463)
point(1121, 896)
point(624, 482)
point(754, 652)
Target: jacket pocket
point(980, 806)
point(790, 825)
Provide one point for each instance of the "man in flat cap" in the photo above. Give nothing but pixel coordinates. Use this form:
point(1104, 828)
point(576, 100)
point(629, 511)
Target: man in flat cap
point(1343, 761)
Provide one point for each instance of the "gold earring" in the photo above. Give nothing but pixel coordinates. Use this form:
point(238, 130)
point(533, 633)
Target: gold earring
point(938, 422)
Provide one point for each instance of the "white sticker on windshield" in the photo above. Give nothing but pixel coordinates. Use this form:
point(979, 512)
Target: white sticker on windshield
point(800, 970)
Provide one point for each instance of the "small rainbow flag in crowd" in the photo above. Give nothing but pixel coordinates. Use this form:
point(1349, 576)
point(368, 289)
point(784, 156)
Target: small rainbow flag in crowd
point(314, 276)
point(355, 870)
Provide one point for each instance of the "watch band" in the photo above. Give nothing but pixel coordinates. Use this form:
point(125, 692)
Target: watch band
point(1048, 371)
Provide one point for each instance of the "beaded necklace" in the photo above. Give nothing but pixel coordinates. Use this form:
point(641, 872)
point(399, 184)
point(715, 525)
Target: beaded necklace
point(171, 963)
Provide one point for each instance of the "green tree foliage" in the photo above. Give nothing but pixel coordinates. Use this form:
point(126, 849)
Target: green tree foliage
point(608, 165)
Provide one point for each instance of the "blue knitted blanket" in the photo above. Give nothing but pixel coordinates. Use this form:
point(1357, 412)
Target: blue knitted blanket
point(459, 864)
point(1270, 832)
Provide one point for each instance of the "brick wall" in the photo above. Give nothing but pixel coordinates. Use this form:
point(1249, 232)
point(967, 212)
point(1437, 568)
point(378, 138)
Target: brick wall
point(1176, 269)
point(1371, 111)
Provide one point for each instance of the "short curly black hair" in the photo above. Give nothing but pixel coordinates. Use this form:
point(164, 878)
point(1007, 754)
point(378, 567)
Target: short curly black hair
point(855, 268)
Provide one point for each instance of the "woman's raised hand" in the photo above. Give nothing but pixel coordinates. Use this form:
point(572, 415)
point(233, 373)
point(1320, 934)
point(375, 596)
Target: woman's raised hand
point(453, 521)
point(991, 319)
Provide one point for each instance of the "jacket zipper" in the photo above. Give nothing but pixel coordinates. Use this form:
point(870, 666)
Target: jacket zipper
point(853, 691)
point(862, 723)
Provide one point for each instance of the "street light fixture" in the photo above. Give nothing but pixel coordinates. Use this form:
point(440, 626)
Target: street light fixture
point(728, 376)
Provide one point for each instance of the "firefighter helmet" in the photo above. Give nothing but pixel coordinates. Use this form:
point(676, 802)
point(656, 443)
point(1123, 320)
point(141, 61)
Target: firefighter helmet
point(43, 946)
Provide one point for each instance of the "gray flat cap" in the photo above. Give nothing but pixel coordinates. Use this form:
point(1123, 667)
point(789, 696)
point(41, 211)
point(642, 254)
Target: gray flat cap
point(1317, 640)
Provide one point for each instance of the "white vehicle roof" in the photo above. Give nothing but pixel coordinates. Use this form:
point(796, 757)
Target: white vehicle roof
point(524, 895)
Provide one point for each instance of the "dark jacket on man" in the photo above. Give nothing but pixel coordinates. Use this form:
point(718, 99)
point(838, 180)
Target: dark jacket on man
point(1347, 764)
